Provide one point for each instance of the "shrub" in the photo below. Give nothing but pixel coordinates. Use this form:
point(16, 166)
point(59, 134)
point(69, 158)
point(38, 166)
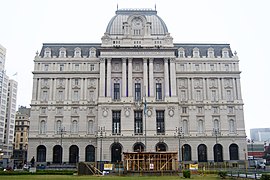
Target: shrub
point(222, 174)
point(186, 173)
point(265, 177)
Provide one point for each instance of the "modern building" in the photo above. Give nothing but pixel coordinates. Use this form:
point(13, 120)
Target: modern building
point(22, 124)
point(137, 90)
point(260, 134)
point(8, 97)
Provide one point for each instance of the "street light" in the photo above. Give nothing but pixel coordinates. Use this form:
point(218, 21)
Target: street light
point(178, 133)
point(61, 131)
point(216, 132)
point(101, 134)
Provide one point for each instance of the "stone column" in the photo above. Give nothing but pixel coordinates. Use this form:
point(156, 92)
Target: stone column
point(219, 89)
point(109, 77)
point(145, 77)
point(166, 75)
point(102, 78)
point(85, 89)
point(205, 88)
point(38, 89)
point(130, 83)
point(81, 84)
point(70, 89)
point(35, 89)
point(173, 77)
point(234, 89)
point(124, 77)
point(53, 87)
point(238, 88)
point(151, 77)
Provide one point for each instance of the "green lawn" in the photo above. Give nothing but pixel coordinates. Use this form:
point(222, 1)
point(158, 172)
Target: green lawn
point(59, 177)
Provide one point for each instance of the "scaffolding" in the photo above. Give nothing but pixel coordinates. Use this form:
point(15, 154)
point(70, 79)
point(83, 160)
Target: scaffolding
point(150, 162)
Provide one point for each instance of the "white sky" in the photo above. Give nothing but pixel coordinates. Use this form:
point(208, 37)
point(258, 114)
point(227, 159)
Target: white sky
point(26, 24)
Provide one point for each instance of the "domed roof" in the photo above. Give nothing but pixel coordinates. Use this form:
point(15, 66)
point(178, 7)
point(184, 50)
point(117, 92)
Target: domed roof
point(116, 24)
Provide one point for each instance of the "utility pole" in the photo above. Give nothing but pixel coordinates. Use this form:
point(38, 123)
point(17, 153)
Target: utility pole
point(178, 133)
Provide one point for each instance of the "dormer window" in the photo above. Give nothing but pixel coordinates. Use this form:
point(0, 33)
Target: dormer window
point(196, 53)
point(181, 53)
point(210, 53)
point(62, 53)
point(47, 53)
point(77, 52)
point(92, 52)
point(225, 53)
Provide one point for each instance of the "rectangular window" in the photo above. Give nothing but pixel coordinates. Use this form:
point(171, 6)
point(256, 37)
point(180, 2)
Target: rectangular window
point(61, 67)
point(92, 67)
point(158, 91)
point(184, 110)
point(76, 95)
point(76, 82)
point(60, 95)
point(138, 122)
point(116, 122)
point(137, 91)
point(116, 91)
point(45, 95)
point(160, 122)
point(46, 67)
point(214, 95)
point(77, 67)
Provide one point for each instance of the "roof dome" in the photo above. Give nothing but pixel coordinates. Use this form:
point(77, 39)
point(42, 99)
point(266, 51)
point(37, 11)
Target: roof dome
point(128, 16)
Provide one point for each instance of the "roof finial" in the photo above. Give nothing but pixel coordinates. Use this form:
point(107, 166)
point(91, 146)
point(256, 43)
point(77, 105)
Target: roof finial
point(117, 7)
point(155, 7)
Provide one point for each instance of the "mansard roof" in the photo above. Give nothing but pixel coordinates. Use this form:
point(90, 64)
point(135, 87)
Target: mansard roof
point(85, 48)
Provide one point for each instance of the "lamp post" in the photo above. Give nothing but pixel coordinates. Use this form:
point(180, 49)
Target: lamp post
point(216, 132)
point(61, 131)
point(101, 134)
point(178, 133)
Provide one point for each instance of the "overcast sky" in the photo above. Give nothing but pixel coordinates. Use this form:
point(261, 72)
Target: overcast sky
point(26, 24)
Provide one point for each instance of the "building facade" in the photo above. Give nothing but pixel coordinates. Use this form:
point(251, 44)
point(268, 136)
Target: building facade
point(22, 124)
point(8, 97)
point(137, 90)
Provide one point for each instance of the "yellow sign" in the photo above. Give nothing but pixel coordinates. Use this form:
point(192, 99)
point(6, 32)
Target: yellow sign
point(193, 166)
point(108, 166)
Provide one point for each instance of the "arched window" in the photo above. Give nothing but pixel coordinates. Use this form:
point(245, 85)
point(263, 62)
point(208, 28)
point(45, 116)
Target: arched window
point(73, 154)
point(57, 154)
point(202, 153)
point(90, 153)
point(186, 152)
point(42, 128)
point(200, 126)
point(90, 127)
point(138, 147)
point(218, 153)
point(116, 152)
point(161, 146)
point(41, 153)
point(231, 126)
point(74, 127)
point(234, 153)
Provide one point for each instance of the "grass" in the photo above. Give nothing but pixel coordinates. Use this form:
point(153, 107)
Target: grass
point(64, 177)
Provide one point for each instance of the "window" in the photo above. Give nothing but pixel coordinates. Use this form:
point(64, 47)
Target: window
point(74, 127)
point(137, 91)
point(58, 126)
point(183, 95)
point(76, 82)
point(215, 110)
point(76, 95)
point(138, 122)
point(60, 95)
point(231, 126)
point(216, 124)
point(198, 95)
point(184, 110)
point(200, 126)
point(158, 91)
point(160, 122)
point(77, 67)
point(46, 67)
point(59, 110)
point(212, 67)
point(61, 67)
point(90, 127)
point(213, 95)
point(200, 110)
point(92, 67)
point(43, 110)
point(42, 128)
point(116, 122)
point(185, 126)
point(116, 91)
point(230, 110)
point(44, 95)
point(197, 67)
point(229, 95)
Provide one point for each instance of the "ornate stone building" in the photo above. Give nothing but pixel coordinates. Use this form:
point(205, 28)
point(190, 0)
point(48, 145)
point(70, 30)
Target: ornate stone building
point(136, 91)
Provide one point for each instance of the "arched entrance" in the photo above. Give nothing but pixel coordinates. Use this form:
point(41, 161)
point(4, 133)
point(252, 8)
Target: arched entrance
point(218, 153)
point(90, 153)
point(41, 153)
point(57, 154)
point(161, 146)
point(73, 154)
point(138, 147)
point(234, 154)
point(202, 153)
point(116, 152)
point(186, 152)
